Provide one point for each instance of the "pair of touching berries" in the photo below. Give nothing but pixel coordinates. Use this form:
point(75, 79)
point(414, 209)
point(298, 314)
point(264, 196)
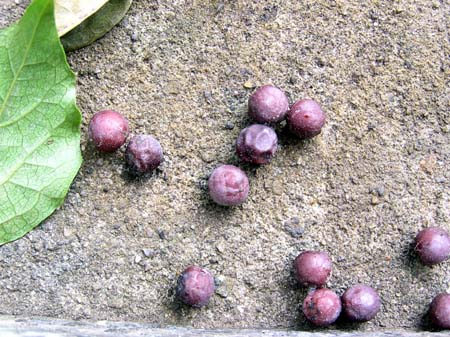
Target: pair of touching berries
point(228, 185)
point(109, 131)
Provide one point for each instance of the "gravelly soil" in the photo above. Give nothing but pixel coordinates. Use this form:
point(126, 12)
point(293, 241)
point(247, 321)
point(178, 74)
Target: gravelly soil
point(181, 72)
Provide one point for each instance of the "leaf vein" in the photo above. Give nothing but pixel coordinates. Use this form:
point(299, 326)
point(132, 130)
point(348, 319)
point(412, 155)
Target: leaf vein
point(18, 215)
point(19, 164)
point(30, 110)
point(27, 51)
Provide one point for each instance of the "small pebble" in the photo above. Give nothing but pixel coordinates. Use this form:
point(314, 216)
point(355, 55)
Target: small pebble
point(296, 232)
point(147, 266)
point(208, 157)
point(219, 280)
point(380, 191)
point(220, 248)
point(134, 37)
point(249, 84)
point(229, 126)
point(148, 252)
point(162, 234)
point(375, 200)
point(222, 292)
point(371, 127)
point(208, 97)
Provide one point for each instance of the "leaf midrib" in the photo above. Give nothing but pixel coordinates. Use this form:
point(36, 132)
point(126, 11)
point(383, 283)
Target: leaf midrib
point(16, 75)
point(8, 95)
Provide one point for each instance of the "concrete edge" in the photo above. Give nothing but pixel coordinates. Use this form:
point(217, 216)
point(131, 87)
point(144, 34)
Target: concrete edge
point(48, 327)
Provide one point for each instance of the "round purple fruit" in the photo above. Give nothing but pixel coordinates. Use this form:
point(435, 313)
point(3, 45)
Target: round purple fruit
point(322, 307)
point(440, 311)
point(143, 154)
point(268, 104)
point(108, 130)
point(257, 144)
point(228, 185)
point(432, 245)
point(361, 303)
point(312, 268)
point(306, 119)
point(195, 286)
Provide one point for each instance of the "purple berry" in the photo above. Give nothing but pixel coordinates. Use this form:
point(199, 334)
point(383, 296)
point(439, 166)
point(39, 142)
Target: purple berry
point(143, 154)
point(268, 104)
point(257, 144)
point(109, 130)
point(195, 286)
point(322, 307)
point(432, 245)
point(228, 185)
point(312, 268)
point(440, 311)
point(306, 119)
point(361, 303)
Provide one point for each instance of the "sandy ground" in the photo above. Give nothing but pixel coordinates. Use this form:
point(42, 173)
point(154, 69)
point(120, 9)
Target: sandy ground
point(378, 173)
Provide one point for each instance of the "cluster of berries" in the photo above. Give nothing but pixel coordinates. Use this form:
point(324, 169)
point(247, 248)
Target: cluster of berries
point(228, 184)
point(322, 306)
point(256, 144)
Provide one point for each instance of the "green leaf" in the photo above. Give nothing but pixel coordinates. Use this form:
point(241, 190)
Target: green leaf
point(39, 122)
point(97, 25)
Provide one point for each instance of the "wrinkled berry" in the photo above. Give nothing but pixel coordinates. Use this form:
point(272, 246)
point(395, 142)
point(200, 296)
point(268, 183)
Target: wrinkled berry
point(257, 144)
point(322, 307)
point(108, 130)
point(312, 268)
point(440, 311)
point(228, 185)
point(306, 118)
point(432, 245)
point(143, 154)
point(360, 303)
point(195, 286)
point(268, 104)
